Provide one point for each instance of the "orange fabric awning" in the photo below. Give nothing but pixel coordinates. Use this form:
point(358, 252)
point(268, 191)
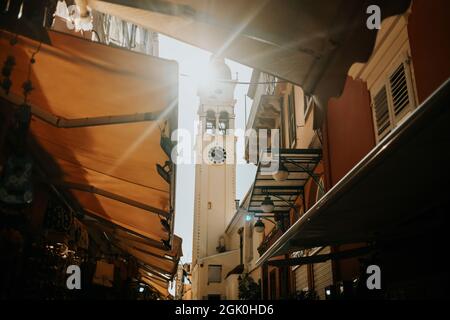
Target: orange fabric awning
point(76, 78)
point(158, 285)
point(152, 254)
point(149, 253)
point(161, 265)
point(99, 114)
point(309, 43)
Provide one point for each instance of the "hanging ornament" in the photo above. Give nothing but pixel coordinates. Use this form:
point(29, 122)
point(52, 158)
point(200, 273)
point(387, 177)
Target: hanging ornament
point(27, 87)
point(8, 66)
point(6, 85)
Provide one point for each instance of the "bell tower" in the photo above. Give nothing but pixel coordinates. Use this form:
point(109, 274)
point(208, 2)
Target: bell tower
point(215, 176)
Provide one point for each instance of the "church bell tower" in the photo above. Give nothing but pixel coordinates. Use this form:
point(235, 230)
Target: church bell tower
point(215, 176)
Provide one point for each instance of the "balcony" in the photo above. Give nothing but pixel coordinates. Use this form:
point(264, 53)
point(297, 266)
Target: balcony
point(269, 240)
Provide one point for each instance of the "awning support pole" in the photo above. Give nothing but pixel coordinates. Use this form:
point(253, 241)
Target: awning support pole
point(61, 122)
point(110, 195)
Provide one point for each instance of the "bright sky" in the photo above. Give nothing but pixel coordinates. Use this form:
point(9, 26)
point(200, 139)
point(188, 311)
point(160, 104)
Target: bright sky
point(191, 60)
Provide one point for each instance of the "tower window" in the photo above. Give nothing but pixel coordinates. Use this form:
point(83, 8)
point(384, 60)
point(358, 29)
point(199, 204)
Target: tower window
point(224, 122)
point(214, 274)
point(210, 122)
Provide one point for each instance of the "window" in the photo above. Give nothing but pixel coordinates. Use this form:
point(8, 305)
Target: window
point(393, 101)
point(297, 254)
point(210, 122)
point(224, 123)
point(320, 190)
point(273, 284)
point(283, 275)
point(400, 92)
point(214, 274)
point(317, 191)
point(309, 101)
point(382, 116)
point(291, 120)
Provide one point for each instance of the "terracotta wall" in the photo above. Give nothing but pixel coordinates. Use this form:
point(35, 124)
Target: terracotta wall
point(429, 37)
point(350, 134)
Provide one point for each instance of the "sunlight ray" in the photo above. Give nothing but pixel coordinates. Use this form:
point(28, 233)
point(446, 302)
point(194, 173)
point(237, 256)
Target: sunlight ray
point(154, 125)
point(240, 28)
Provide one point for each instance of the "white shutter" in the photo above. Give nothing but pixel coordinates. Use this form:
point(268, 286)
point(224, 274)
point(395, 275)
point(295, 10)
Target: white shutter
point(323, 275)
point(301, 278)
point(401, 92)
point(394, 100)
point(381, 113)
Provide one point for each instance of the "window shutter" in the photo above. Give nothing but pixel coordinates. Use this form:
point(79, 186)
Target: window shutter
point(381, 111)
point(401, 102)
point(396, 99)
point(308, 102)
point(214, 273)
point(291, 119)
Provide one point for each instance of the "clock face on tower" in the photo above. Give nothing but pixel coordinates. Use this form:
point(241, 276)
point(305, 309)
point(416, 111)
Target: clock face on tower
point(217, 155)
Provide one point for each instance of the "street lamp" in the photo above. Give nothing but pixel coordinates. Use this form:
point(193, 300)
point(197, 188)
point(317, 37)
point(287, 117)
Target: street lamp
point(259, 226)
point(267, 205)
point(282, 174)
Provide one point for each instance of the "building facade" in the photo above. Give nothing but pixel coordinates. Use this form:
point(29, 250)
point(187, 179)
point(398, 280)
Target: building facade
point(378, 97)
